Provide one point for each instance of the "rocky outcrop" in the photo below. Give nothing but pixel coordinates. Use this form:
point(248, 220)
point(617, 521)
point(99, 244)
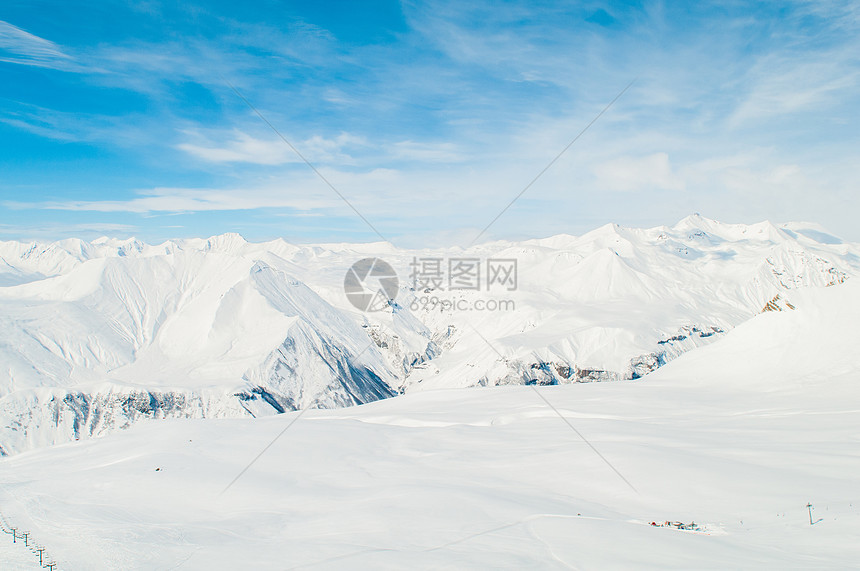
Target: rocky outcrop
point(542, 372)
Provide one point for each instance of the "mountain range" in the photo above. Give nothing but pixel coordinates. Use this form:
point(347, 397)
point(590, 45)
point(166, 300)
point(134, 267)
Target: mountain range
point(96, 336)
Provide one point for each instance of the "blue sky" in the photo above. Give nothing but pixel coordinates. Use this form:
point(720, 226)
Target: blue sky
point(117, 119)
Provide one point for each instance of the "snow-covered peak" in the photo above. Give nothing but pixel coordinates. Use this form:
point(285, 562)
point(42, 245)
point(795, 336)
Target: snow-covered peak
point(256, 325)
point(230, 242)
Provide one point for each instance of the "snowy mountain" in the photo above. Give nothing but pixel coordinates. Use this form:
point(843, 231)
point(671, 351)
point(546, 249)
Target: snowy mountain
point(181, 334)
point(96, 336)
point(734, 440)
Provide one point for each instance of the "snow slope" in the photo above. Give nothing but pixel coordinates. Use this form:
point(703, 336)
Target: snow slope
point(180, 334)
point(96, 336)
point(736, 436)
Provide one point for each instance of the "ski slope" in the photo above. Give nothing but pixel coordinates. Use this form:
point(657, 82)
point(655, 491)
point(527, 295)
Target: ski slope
point(736, 436)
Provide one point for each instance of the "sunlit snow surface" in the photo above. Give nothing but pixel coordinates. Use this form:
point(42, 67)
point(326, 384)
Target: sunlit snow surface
point(98, 336)
point(737, 436)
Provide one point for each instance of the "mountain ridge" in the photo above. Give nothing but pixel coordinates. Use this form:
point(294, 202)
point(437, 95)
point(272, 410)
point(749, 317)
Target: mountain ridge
point(262, 328)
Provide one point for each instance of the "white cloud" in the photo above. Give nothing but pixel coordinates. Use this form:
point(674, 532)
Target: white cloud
point(398, 198)
point(469, 110)
point(638, 173)
point(196, 200)
point(18, 46)
point(243, 148)
point(240, 147)
point(792, 86)
point(53, 231)
point(236, 146)
point(130, 130)
point(427, 152)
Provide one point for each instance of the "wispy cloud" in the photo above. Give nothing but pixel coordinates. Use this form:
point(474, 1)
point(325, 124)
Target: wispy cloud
point(21, 47)
point(237, 146)
point(440, 124)
point(126, 130)
point(191, 200)
point(638, 174)
point(428, 152)
point(780, 86)
point(54, 231)
point(344, 149)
